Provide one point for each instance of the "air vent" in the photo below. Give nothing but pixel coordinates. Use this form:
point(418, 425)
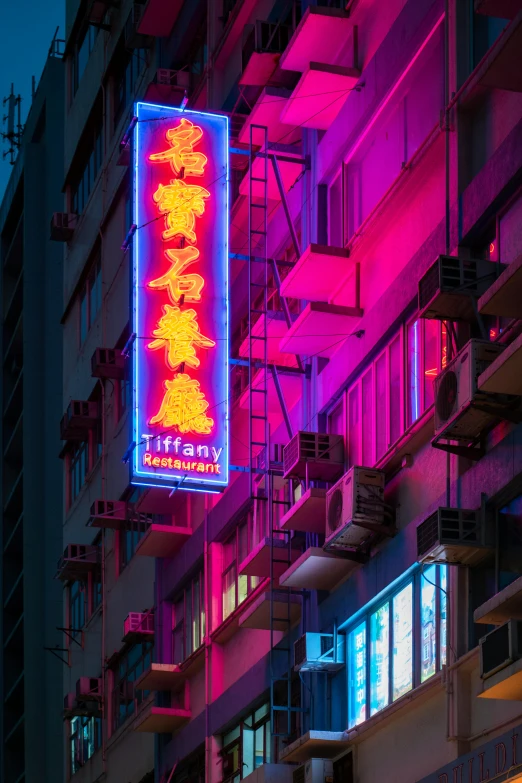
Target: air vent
point(455, 537)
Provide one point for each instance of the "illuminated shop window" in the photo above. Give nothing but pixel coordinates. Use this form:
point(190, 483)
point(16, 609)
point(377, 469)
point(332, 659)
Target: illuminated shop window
point(85, 738)
point(130, 667)
point(399, 644)
point(188, 620)
point(247, 746)
point(236, 588)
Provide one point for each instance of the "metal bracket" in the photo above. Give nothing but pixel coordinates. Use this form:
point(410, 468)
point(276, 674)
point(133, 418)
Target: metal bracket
point(507, 413)
point(470, 452)
point(69, 633)
point(55, 650)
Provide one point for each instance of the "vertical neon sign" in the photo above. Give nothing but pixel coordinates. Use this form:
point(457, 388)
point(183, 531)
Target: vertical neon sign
point(180, 299)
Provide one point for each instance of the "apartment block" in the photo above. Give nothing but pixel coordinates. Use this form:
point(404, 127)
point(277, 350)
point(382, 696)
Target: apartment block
point(293, 473)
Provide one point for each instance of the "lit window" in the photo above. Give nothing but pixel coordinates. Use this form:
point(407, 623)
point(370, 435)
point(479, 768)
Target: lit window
point(84, 740)
point(235, 549)
point(425, 361)
point(246, 747)
point(189, 620)
point(381, 648)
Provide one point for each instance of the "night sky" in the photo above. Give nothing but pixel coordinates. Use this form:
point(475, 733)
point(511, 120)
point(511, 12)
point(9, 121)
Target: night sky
point(26, 31)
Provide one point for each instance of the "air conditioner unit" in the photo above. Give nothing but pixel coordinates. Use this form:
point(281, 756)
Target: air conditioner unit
point(89, 689)
point(180, 79)
point(454, 536)
point(314, 652)
point(80, 417)
point(139, 624)
point(134, 39)
point(62, 226)
point(314, 771)
point(458, 414)
point(447, 289)
point(109, 514)
point(500, 648)
point(355, 509)
point(77, 560)
point(108, 363)
point(313, 455)
point(71, 707)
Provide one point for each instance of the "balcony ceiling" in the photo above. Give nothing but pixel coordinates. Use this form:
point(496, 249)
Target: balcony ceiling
point(321, 34)
point(319, 96)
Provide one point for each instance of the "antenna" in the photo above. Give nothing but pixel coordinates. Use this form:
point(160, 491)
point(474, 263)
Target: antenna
point(12, 120)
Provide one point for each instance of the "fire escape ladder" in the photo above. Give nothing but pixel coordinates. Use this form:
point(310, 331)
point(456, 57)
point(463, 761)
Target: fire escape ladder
point(258, 424)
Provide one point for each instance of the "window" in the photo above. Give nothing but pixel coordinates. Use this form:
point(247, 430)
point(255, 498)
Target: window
point(247, 746)
point(91, 147)
point(84, 740)
point(77, 608)
point(78, 469)
point(81, 55)
point(125, 81)
point(130, 667)
point(235, 549)
point(191, 770)
point(133, 532)
point(399, 644)
point(425, 344)
point(90, 299)
point(188, 620)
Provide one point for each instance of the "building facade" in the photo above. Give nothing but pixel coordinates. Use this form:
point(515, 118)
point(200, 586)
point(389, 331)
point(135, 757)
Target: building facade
point(32, 474)
point(326, 608)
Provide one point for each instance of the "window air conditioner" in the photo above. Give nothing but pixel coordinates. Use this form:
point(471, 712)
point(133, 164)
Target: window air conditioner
point(355, 509)
point(108, 363)
point(454, 536)
point(110, 514)
point(314, 771)
point(62, 226)
point(458, 414)
point(139, 623)
point(180, 79)
point(89, 689)
point(500, 648)
point(80, 417)
point(313, 455)
point(446, 290)
point(314, 652)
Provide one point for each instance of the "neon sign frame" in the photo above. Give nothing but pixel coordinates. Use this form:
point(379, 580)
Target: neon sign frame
point(160, 453)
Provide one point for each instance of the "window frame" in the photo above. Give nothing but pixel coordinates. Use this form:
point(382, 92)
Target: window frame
point(180, 625)
point(77, 740)
point(93, 284)
point(416, 580)
point(238, 742)
point(245, 524)
point(129, 673)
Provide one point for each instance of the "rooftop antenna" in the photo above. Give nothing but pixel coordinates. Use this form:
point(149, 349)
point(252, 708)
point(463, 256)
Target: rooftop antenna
point(12, 120)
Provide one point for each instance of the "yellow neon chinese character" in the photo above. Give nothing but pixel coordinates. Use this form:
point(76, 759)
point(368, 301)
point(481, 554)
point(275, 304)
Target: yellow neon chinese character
point(181, 155)
point(178, 284)
point(178, 332)
point(184, 407)
point(181, 204)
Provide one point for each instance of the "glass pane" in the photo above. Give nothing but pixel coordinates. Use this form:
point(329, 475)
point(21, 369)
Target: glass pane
point(196, 628)
point(353, 427)
point(431, 359)
point(357, 675)
point(243, 542)
point(395, 390)
point(414, 362)
point(248, 751)
point(229, 592)
point(335, 213)
point(242, 590)
point(379, 658)
point(367, 419)
point(443, 573)
point(188, 622)
point(83, 317)
point(380, 406)
point(403, 642)
point(428, 623)
point(259, 746)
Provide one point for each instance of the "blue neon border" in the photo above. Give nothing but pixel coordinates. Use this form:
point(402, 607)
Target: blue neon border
point(159, 480)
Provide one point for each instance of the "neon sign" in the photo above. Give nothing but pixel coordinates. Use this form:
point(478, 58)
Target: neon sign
point(180, 299)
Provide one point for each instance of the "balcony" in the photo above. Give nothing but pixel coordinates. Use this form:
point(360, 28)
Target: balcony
point(505, 605)
point(275, 329)
point(109, 514)
point(504, 375)
point(317, 570)
point(261, 52)
point(319, 329)
point(308, 514)
point(319, 96)
point(257, 563)
point(160, 677)
point(320, 36)
point(503, 296)
point(162, 540)
point(505, 9)
point(289, 167)
point(161, 720)
point(158, 17)
point(505, 685)
point(315, 744)
point(315, 276)
point(77, 561)
point(266, 112)
point(257, 615)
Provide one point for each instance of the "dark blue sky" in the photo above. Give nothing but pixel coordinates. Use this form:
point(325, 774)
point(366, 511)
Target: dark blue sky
point(26, 31)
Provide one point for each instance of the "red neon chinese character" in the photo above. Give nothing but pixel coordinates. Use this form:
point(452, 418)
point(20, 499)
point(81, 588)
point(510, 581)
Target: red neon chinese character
point(178, 284)
point(184, 406)
point(181, 204)
point(181, 155)
point(178, 332)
